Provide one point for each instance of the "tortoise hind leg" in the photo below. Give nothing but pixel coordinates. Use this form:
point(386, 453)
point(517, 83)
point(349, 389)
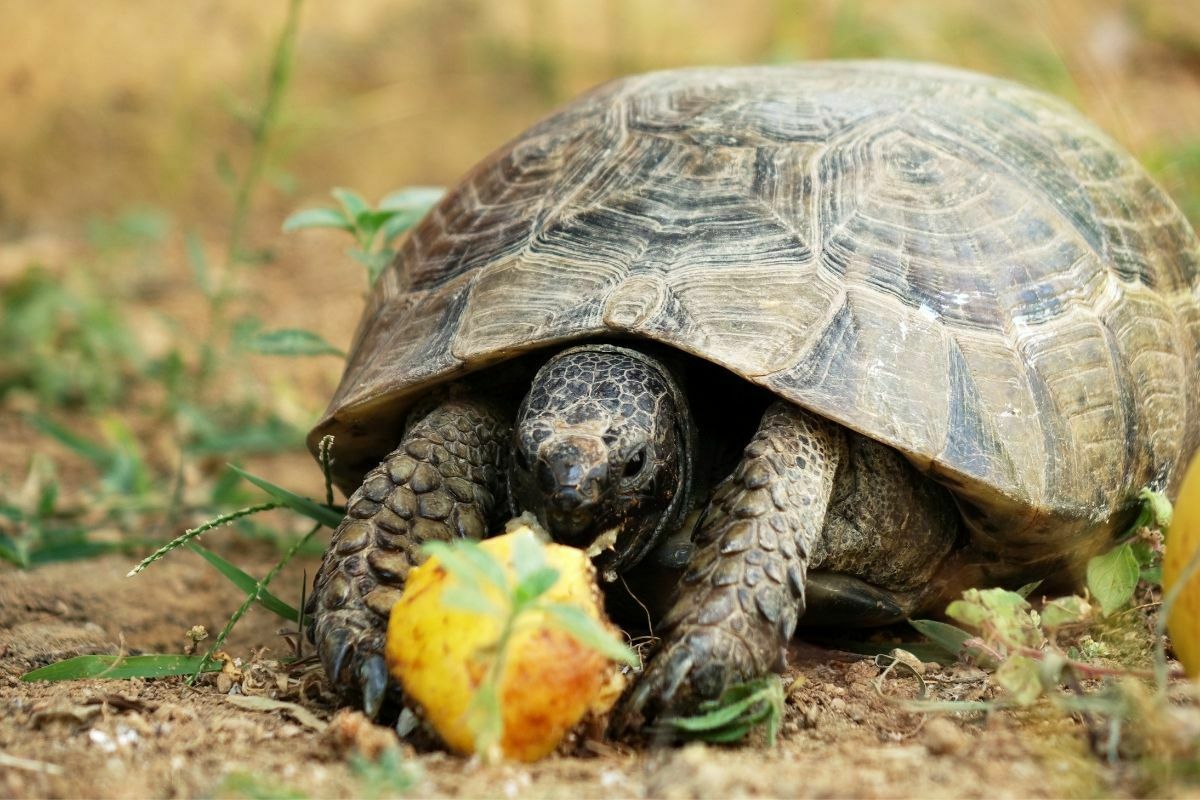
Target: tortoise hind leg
point(738, 603)
point(445, 480)
point(885, 541)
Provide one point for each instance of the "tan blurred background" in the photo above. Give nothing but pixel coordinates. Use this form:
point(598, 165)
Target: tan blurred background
point(114, 103)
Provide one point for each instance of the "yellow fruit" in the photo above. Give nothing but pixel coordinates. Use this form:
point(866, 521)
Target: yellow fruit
point(442, 654)
point(1183, 540)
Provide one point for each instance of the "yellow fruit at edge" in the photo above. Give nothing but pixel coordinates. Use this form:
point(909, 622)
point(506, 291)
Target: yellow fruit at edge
point(1182, 542)
point(440, 656)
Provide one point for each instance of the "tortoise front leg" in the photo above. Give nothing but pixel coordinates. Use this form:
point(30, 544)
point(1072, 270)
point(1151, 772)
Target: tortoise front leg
point(743, 592)
point(445, 480)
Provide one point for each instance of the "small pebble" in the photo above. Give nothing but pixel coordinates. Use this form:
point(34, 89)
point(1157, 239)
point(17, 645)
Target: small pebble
point(943, 737)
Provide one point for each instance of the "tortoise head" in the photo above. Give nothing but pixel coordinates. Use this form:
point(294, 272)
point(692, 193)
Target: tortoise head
point(603, 443)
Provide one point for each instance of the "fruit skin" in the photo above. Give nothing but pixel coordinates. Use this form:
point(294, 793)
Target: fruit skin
point(1183, 540)
point(439, 654)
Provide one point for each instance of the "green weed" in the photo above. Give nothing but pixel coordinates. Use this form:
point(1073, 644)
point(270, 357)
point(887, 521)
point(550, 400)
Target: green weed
point(65, 346)
point(740, 710)
point(375, 230)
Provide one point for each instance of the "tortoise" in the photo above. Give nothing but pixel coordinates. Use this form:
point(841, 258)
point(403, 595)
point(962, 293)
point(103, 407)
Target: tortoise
point(892, 329)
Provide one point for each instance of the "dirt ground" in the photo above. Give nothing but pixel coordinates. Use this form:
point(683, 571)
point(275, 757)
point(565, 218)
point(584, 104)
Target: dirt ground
point(388, 94)
point(842, 736)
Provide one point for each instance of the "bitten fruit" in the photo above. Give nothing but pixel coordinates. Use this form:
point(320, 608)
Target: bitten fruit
point(443, 654)
point(1183, 540)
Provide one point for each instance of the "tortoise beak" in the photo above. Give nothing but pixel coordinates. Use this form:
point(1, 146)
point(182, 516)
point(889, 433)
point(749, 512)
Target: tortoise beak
point(573, 473)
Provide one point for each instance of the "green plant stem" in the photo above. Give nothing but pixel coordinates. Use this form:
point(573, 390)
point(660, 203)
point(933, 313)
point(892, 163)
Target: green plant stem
point(281, 64)
point(1082, 667)
point(252, 598)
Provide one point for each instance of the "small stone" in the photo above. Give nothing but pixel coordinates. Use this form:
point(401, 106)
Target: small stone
point(837, 705)
point(943, 737)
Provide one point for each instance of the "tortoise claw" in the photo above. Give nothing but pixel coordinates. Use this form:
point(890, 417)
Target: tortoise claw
point(336, 648)
point(662, 687)
point(373, 680)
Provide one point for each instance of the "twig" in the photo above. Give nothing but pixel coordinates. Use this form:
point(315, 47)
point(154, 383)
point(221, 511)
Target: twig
point(16, 762)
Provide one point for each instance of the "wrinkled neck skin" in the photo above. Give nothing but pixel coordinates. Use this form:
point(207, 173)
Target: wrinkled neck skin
point(602, 453)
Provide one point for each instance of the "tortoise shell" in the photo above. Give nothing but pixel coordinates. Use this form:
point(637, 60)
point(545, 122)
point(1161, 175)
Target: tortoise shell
point(956, 266)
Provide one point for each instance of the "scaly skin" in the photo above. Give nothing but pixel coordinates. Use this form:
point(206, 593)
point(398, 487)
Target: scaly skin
point(743, 592)
point(445, 480)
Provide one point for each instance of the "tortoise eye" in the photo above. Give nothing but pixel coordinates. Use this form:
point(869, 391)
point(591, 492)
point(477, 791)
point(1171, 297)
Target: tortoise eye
point(635, 463)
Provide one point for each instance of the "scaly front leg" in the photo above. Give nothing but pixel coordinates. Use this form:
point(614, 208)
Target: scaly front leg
point(743, 592)
point(445, 480)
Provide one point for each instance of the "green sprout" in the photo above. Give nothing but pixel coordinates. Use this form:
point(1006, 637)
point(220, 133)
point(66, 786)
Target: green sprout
point(740, 710)
point(374, 229)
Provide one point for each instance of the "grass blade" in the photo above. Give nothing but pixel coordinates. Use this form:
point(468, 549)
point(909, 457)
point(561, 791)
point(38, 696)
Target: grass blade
point(290, 342)
point(950, 638)
point(246, 583)
point(120, 667)
point(328, 517)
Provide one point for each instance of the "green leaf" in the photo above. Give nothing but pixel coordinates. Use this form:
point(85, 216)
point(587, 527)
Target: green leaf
point(1019, 677)
point(1064, 611)
point(1028, 589)
point(407, 208)
point(352, 203)
point(325, 515)
point(120, 667)
point(79, 548)
point(290, 342)
point(467, 597)
point(589, 632)
point(101, 457)
point(725, 712)
point(369, 222)
point(469, 562)
point(317, 218)
point(1158, 506)
point(738, 711)
point(968, 612)
point(11, 552)
point(485, 719)
point(534, 585)
point(950, 638)
point(246, 583)
point(1112, 577)
point(412, 197)
point(528, 554)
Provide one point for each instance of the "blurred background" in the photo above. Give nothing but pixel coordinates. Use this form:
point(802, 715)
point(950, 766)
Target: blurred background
point(149, 153)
